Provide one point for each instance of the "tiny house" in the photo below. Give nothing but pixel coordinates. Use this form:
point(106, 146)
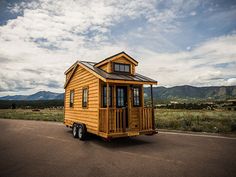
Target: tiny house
point(107, 98)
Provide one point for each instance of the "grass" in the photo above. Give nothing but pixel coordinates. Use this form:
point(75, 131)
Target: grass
point(196, 120)
point(28, 114)
point(175, 119)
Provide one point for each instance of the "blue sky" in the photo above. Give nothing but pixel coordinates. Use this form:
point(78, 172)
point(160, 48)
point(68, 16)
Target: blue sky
point(176, 42)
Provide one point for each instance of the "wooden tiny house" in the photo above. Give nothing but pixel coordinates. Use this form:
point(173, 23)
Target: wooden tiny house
point(107, 98)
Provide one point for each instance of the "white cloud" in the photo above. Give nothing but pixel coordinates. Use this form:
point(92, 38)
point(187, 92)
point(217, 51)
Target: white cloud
point(231, 81)
point(200, 67)
point(193, 13)
point(52, 34)
point(37, 47)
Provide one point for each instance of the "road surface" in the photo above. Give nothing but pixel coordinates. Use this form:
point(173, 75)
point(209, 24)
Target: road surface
point(41, 149)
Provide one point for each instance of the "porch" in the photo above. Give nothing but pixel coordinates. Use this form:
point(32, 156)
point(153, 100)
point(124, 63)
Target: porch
point(123, 112)
point(113, 120)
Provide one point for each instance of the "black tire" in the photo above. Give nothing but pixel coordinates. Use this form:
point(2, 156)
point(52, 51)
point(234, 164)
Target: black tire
point(75, 130)
point(82, 132)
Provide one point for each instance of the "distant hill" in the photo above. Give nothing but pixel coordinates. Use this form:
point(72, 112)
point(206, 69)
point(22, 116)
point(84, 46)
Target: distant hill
point(160, 93)
point(190, 92)
point(42, 95)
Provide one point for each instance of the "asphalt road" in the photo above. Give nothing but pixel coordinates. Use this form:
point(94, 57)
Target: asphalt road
point(35, 148)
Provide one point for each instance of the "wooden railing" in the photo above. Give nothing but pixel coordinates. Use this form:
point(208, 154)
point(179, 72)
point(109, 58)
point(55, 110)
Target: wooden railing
point(145, 119)
point(117, 119)
point(103, 125)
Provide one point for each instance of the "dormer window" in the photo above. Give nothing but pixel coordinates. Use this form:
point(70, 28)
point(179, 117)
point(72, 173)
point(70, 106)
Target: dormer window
point(120, 67)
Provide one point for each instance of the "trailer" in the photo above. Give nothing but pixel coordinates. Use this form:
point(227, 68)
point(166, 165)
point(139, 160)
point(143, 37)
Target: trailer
point(106, 98)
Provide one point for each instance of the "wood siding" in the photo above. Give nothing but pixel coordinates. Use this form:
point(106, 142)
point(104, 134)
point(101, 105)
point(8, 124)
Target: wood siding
point(104, 67)
point(89, 116)
point(68, 74)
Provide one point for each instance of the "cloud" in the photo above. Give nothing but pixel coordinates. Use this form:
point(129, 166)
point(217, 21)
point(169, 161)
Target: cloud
point(213, 59)
point(4, 60)
point(193, 13)
point(231, 81)
point(32, 71)
point(48, 36)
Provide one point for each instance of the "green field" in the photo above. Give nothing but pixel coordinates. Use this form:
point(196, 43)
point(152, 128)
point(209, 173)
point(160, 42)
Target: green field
point(187, 120)
point(28, 114)
point(197, 120)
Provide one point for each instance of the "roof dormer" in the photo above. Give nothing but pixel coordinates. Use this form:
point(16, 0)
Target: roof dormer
point(120, 63)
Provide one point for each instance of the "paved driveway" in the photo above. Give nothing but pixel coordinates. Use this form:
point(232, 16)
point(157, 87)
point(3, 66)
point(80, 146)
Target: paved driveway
point(35, 148)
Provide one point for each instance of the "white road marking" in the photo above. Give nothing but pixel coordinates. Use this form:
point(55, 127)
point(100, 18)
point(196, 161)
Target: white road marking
point(198, 135)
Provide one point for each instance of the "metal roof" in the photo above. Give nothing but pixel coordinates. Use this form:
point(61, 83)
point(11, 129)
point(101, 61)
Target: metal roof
point(116, 76)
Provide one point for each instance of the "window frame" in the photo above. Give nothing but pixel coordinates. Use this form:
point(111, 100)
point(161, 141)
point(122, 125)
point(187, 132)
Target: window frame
point(121, 99)
point(71, 101)
point(83, 97)
point(119, 66)
point(104, 98)
point(136, 97)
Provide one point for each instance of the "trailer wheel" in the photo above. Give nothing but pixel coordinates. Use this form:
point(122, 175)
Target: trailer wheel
point(75, 130)
point(82, 131)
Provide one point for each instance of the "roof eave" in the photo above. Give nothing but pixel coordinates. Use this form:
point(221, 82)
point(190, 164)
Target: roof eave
point(132, 82)
point(71, 67)
point(73, 71)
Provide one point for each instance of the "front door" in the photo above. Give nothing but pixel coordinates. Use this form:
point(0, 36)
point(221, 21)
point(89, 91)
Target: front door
point(121, 102)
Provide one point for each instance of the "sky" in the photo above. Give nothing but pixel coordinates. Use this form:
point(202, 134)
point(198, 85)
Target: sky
point(176, 42)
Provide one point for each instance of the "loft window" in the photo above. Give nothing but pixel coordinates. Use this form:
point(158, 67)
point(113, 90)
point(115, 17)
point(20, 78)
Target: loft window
point(72, 98)
point(85, 97)
point(119, 67)
point(136, 96)
point(104, 96)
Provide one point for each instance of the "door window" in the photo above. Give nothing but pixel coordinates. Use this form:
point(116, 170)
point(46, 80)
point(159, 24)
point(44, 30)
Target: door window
point(120, 97)
point(104, 96)
point(136, 96)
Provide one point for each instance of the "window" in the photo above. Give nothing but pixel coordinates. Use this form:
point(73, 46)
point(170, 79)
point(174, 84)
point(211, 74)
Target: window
point(136, 96)
point(118, 67)
point(71, 98)
point(85, 98)
point(104, 96)
point(127, 68)
point(120, 97)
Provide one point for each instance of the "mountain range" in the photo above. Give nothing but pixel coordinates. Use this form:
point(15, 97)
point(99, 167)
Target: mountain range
point(190, 92)
point(159, 93)
point(42, 95)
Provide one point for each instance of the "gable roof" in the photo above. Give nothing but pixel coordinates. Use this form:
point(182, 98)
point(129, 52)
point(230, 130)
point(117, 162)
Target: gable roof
point(74, 67)
point(113, 57)
point(110, 77)
point(70, 68)
point(92, 67)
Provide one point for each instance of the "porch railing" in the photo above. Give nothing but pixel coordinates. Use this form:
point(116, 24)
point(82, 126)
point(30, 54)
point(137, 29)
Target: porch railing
point(116, 123)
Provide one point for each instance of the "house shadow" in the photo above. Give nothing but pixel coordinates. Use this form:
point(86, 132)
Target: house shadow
point(116, 142)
